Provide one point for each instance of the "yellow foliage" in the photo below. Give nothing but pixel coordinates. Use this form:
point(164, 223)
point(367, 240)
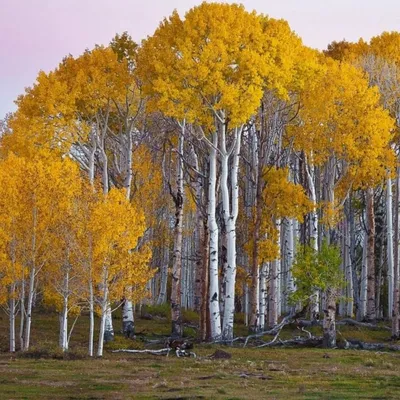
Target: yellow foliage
point(218, 59)
point(342, 117)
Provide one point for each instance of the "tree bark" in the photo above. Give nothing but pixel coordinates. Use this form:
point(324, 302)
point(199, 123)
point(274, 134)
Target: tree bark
point(91, 320)
point(395, 310)
point(162, 296)
point(371, 312)
point(28, 320)
point(12, 317)
point(389, 246)
point(313, 229)
point(231, 211)
point(329, 324)
point(105, 309)
point(176, 292)
point(363, 281)
point(263, 297)
point(204, 310)
point(108, 325)
point(128, 321)
point(215, 318)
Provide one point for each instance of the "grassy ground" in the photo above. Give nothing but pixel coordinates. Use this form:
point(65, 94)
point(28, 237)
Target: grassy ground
point(249, 374)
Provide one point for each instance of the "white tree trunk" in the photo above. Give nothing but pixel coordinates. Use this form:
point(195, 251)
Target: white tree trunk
point(91, 320)
point(349, 272)
point(64, 326)
point(363, 282)
point(176, 287)
point(290, 256)
point(263, 296)
point(129, 174)
point(215, 318)
point(230, 211)
point(313, 229)
point(371, 290)
point(274, 286)
point(108, 327)
point(128, 321)
point(92, 158)
point(389, 247)
point(105, 312)
point(279, 271)
point(29, 309)
point(395, 310)
point(12, 317)
point(101, 334)
point(22, 316)
point(64, 314)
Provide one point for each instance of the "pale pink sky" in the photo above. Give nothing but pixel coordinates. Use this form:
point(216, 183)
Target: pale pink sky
point(37, 34)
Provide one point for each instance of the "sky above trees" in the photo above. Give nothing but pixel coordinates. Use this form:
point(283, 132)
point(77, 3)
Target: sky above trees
point(36, 35)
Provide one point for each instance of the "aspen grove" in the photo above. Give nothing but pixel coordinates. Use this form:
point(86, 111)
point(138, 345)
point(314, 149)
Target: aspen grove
point(219, 166)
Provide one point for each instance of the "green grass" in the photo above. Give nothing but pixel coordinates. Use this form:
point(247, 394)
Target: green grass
point(268, 373)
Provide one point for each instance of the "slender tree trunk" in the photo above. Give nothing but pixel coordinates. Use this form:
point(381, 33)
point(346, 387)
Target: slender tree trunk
point(204, 316)
point(129, 174)
point(348, 264)
point(63, 340)
point(272, 296)
point(91, 319)
point(22, 316)
point(363, 281)
point(105, 309)
point(101, 333)
point(389, 247)
point(215, 317)
point(256, 192)
point(279, 270)
point(199, 262)
point(313, 230)
point(176, 290)
point(12, 317)
point(199, 232)
point(395, 310)
point(255, 270)
point(352, 251)
point(263, 296)
point(231, 211)
point(28, 321)
point(290, 257)
point(92, 159)
point(371, 312)
point(104, 174)
point(64, 326)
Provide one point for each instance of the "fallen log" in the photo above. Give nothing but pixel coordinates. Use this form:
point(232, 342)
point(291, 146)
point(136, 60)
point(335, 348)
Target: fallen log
point(346, 321)
point(159, 352)
point(179, 352)
point(359, 345)
point(353, 322)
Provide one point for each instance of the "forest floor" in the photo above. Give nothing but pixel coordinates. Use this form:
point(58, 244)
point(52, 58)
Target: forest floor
point(265, 373)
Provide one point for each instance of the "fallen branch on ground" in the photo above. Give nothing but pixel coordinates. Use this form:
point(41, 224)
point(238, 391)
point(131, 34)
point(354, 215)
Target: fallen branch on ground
point(353, 322)
point(160, 352)
point(346, 321)
point(273, 340)
point(274, 331)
